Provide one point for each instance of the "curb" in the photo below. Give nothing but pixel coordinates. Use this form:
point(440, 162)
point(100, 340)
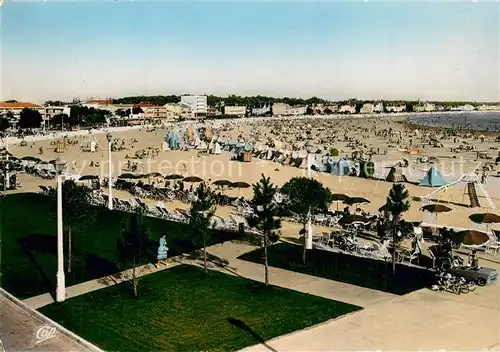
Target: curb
point(84, 343)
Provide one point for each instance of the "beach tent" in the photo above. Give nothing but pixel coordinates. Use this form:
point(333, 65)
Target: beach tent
point(432, 179)
point(396, 175)
point(341, 168)
point(217, 149)
point(173, 141)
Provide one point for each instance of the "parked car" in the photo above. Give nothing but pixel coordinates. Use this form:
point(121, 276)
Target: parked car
point(481, 276)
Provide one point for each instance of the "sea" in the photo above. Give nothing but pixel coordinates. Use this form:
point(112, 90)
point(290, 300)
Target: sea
point(474, 120)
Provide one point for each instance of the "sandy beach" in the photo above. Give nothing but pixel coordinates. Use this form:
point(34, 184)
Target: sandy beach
point(388, 140)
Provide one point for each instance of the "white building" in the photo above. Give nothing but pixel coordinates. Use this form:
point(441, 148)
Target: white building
point(197, 104)
point(280, 109)
point(235, 110)
point(349, 109)
point(378, 108)
point(401, 108)
point(296, 110)
point(261, 111)
point(367, 108)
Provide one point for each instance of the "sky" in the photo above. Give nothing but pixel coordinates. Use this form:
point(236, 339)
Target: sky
point(335, 50)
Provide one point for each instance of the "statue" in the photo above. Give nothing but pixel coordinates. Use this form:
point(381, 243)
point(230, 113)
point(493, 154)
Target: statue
point(162, 251)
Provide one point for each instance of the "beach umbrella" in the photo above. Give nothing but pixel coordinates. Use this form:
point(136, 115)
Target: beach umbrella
point(436, 208)
point(471, 238)
point(192, 179)
point(130, 176)
point(485, 218)
point(31, 158)
point(223, 183)
point(173, 177)
point(88, 177)
point(239, 185)
point(338, 197)
point(356, 200)
point(349, 219)
point(154, 174)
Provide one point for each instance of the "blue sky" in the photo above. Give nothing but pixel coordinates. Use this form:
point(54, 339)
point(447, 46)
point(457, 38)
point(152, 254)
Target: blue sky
point(371, 50)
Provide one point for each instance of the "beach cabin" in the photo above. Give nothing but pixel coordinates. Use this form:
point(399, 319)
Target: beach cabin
point(341, 168)
point(245, 153)
point(173, 141)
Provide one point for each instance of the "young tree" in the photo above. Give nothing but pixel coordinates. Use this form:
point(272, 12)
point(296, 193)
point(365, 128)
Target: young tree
point(201, 212)
point(397, 203)
point(4, 124)
point(306, 197)
point(30, 118)
point(265, 216)
point(134, 248)
point(77, 211)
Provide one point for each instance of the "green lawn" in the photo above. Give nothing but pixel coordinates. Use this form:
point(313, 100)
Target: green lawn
point(179, 309)
point(364, 272)
point(28, 248)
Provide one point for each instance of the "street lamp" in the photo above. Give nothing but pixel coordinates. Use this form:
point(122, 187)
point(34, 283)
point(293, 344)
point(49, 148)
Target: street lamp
point(7, 176)
point(61, 289)
point(109, 137)
point(309, 235)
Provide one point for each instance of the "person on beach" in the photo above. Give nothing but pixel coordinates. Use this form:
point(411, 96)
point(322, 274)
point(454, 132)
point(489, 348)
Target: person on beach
point(162, 251)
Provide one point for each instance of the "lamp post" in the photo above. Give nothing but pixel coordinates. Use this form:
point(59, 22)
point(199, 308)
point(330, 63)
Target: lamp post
point(309, 234)
point(109, 137)
point(61, 286)
point(7, 176)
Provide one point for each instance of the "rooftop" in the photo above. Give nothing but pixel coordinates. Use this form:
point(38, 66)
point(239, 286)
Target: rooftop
point(19, 105)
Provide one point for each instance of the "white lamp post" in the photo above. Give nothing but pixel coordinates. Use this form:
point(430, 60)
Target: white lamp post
point(109, 137)
point(309, 233)
point(61, 286)
point(7, 176)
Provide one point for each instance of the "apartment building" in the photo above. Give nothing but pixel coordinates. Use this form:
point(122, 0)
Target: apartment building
point(176, 111)
point(156, 113)
point(51, 111)
point(240, 111)
point(378, 108)
point(393, 108)
point(367, 108)
point(347, 109)
point(280, 109)
point(425, 107)
point(196, 103)
point(296, 110)
point(17, 107)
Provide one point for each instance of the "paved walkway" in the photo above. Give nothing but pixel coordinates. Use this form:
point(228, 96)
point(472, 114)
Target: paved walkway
point(97, 284)
point(228, 252)
point(317, 286)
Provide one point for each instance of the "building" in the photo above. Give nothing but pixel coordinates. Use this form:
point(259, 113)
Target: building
point(177, 111)
point(51, 111)
point(347, 109)
point(425, 107)
point(296, 110)
point(396, 109)
point(240, 111)
point(331, 109)
point(485, 107)
point(379, 108)
point(280, 109)
point(17, 107)
point(197, 104)
point(367, 108)
point(261, 111)
point(155, 113)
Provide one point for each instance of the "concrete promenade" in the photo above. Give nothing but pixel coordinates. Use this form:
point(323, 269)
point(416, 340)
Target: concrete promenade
point(423, 320)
